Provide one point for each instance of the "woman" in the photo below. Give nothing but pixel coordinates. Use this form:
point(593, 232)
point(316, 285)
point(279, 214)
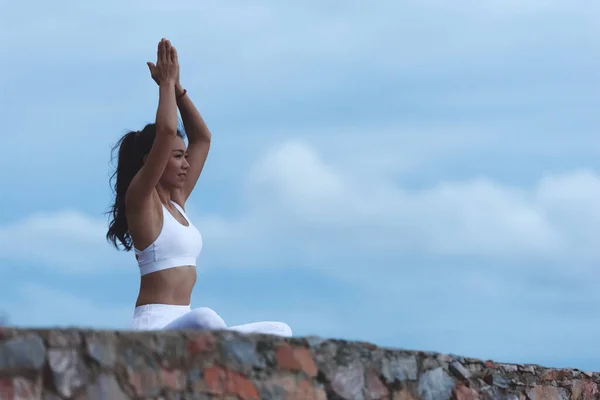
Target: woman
point(155, 175)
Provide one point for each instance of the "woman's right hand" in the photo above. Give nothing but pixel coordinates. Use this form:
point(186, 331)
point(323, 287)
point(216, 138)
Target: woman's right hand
point(166, 70)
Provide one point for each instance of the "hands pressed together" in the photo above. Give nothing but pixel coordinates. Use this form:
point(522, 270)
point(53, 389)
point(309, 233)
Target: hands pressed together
point(166, 69)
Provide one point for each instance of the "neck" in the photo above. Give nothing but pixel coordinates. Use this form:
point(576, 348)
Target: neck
point(164, 195)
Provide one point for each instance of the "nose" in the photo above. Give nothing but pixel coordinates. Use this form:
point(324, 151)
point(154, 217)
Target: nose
point(186, 164)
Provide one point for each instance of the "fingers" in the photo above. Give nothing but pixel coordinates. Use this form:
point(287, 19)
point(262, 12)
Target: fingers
point(153, 69)
point(173, 55)
point(162, 51)
point(159, 51)
point(167, 51)
point(166, 54)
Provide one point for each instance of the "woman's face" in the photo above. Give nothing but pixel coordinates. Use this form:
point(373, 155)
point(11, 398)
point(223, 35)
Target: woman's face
point(177, 166)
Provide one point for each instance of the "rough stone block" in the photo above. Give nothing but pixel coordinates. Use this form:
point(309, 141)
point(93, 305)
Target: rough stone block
point(120, 365)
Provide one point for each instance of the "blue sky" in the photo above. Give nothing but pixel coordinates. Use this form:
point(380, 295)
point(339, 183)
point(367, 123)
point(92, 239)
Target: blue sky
point(417, 174)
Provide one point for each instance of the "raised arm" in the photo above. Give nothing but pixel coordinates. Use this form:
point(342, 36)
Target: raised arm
point(147, 178)
point(197, 132)
point(198, 139)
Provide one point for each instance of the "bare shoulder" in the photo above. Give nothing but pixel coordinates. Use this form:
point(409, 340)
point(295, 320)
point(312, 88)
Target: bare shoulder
point(144, 220)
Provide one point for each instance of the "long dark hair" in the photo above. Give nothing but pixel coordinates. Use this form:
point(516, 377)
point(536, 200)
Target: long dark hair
point(131, 150)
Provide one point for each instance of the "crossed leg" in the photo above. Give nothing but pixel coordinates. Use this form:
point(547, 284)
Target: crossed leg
point(266, 327)
point(204, 318)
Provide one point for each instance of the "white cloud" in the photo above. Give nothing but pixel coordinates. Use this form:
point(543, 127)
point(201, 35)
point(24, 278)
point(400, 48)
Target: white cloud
point(300, 208)
point(66, 240)
point(295, 197)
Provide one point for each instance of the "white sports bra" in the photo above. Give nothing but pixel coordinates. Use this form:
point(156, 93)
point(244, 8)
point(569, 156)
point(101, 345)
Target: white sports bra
point(176, 245)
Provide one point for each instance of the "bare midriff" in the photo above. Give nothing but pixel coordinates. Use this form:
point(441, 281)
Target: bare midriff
point(170, 286)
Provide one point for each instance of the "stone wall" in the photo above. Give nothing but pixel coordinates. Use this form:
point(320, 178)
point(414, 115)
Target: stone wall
point(83, 364)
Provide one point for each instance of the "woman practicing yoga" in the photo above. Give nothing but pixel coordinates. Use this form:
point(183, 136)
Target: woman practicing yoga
point(155, 175)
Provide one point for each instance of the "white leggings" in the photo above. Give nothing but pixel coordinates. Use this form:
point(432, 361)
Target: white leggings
point(166, 316)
